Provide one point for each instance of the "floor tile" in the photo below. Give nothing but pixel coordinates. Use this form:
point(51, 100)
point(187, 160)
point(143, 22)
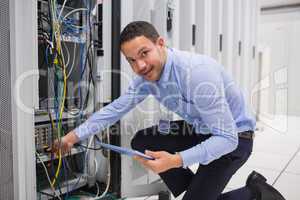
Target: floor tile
point(288, 185)
point(294, 166)
point(239, 179)
point(268, 161)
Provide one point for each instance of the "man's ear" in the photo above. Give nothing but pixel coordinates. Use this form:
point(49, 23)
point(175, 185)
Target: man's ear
point(160, 41)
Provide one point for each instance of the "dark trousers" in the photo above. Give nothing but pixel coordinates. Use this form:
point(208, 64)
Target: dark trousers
point(209, 180)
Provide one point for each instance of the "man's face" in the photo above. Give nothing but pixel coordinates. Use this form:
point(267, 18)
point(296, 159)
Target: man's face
point(145, 57)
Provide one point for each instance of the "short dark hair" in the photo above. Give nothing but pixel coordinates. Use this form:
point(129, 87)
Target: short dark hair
point(138, 28)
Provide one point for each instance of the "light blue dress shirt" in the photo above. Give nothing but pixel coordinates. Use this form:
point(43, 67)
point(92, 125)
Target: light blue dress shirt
point(199, 90)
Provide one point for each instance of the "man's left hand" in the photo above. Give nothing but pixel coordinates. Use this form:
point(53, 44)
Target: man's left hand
point(163, 161)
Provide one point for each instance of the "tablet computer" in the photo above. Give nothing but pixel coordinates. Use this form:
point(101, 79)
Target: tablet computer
point(125, 151)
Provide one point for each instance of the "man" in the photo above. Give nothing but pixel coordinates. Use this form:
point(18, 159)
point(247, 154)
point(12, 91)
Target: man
point(216, 131)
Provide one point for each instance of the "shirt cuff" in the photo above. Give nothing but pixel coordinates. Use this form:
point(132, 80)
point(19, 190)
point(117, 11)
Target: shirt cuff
point(87, 129)
point(190, 156)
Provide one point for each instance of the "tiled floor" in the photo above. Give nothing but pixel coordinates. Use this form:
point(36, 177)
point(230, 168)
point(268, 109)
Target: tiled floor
point(276, 155)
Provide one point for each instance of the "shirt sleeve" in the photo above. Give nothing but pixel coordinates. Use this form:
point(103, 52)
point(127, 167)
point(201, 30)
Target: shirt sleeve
point(207, 93)
point(111, 113)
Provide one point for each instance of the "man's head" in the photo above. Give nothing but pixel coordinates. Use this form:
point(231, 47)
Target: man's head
point(144, 49)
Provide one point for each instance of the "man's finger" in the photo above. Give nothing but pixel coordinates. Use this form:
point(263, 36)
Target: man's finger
point(154, 154)
point(135, 158)
point(141, 160)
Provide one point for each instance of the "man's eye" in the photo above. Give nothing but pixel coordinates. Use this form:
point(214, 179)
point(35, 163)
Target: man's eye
point(130, 60)
point(144, 53)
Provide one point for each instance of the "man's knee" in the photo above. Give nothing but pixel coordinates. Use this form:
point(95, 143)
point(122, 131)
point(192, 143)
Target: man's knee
point(134, 143)
point(138, 141)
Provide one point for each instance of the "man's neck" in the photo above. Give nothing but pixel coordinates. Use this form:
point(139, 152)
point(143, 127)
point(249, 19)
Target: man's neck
point(164, 54)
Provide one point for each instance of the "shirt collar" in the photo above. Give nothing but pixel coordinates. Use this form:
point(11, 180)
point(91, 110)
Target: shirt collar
point(164, 77)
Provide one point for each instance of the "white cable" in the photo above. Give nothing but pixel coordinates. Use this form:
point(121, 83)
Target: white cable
point(86, 157)
point(48, 177)
point(73, 11)
point(108, 174)
point(98, 189)
point(88, 149)
point(62, 8)
point(79, 27)
point(68, 53)
point(73, 62)
point(94, 11)
point(96, 166)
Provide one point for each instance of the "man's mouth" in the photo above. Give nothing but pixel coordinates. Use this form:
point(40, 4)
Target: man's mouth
point(147, 72)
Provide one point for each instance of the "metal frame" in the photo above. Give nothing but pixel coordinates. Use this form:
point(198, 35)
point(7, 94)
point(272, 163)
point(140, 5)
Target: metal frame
point(116, 90)
point(23, 34)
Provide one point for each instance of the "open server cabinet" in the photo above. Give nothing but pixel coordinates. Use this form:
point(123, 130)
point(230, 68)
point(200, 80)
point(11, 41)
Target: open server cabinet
point(74, 44)
point(55, 54)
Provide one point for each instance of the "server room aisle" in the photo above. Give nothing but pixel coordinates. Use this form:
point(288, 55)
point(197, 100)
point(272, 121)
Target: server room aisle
point(276, 155)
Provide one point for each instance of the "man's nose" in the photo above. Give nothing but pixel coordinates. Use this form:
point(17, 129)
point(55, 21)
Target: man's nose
point(141, 66)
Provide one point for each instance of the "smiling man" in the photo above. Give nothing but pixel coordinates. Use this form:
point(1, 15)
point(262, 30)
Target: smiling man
point(216, 131)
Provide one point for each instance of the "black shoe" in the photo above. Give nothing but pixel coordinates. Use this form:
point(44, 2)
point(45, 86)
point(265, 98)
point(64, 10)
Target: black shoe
point(263, 191)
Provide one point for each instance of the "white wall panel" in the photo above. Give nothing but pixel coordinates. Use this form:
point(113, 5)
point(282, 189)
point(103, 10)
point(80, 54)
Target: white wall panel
point(227, 31)
point(294, 69)
point(237, 43)
point(159, 17)
point(142, 10)
point(173, 38)
point(216, 28)
point(254, 62)
point(246, 51)
point(185, 41)
point(203, 26)
point(266, 3)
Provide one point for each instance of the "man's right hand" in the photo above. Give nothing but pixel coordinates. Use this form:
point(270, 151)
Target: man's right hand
point(65, 143)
